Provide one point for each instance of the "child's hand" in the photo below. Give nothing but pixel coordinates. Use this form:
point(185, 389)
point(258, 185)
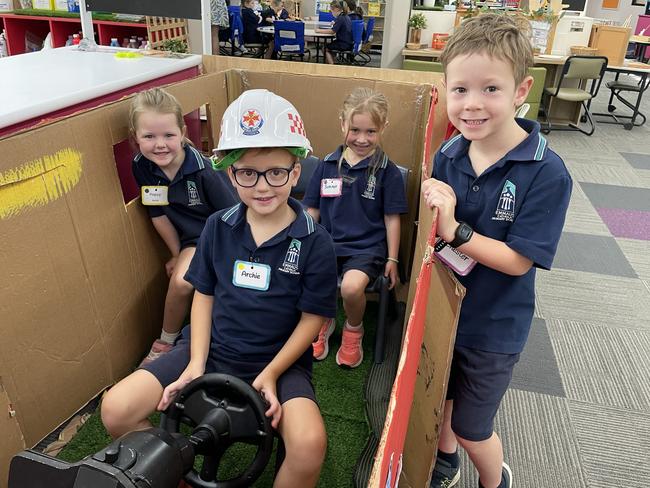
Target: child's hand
point(390, 270)
point(170, 265)
point(441, 195)
point(266, 384)
point(169, 394)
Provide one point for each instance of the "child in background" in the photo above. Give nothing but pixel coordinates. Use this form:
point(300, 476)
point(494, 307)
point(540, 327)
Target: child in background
point(342, 29)
point(502, 197)
point(276, 11)
point(355, 12)
point(180, 189)
point(251, 21)
point(357, 193)
point(262, 262)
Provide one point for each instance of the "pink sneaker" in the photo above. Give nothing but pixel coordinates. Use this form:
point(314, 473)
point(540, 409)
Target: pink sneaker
point(157, 349)
point(321, 346)
point(351, 352)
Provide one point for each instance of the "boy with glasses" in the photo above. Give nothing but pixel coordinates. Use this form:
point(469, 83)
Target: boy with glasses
point(265, 279)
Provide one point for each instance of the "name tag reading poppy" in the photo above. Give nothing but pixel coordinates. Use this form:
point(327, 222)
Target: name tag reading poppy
point(255, 276)
point(154, 195)
point(452, 257)
point(331, 187)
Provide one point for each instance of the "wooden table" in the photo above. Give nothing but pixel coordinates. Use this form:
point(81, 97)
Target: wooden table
point(309, 32)
point(634, 68)
point(641, 43)
point(434, 55)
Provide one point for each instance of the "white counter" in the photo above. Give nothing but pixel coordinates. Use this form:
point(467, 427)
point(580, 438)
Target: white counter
point(35, 84)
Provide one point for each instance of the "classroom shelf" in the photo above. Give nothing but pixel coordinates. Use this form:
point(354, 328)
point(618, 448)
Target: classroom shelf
point(17, 26)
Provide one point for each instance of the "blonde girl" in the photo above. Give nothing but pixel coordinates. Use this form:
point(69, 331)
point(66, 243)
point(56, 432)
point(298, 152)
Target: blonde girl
point(357, 193)
point(180, 191)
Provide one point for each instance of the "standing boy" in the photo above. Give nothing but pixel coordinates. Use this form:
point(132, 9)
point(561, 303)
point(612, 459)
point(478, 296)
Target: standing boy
point(502, 197)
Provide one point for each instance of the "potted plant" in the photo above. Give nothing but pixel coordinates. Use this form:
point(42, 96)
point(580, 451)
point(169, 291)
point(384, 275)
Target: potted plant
point(416, 23)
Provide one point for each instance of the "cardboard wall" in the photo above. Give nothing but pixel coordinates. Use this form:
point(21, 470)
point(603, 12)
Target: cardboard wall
point(82, 284)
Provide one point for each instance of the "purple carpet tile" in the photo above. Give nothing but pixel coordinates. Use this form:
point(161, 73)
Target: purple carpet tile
point(632, 224)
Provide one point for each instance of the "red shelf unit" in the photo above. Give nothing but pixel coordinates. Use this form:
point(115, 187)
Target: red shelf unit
point(16, 26)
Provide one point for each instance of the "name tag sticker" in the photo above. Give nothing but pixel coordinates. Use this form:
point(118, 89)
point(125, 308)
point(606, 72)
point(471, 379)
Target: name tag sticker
point(331, 187)
point(154, 195)
point(453, 258)
point(255, 276)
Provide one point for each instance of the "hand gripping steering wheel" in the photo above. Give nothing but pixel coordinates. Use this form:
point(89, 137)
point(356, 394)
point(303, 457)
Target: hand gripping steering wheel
point(222, 410)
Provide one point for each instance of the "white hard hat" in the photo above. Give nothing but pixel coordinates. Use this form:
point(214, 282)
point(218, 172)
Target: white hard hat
point(260, 118)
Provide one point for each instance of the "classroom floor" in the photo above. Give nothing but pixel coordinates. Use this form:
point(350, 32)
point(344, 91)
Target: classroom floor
point(578, 410)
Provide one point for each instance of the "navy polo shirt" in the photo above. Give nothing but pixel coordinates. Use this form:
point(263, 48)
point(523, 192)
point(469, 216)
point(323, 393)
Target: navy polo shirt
point(355, 219)
point(251, 22)
point(251, 325)
point(343, 29)
point(521, 200)
point(196, 192)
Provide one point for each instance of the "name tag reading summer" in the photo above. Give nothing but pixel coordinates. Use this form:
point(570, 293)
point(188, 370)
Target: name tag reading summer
point(331, 187)
point(255, 276)
point(453, 258)
point(154, 195)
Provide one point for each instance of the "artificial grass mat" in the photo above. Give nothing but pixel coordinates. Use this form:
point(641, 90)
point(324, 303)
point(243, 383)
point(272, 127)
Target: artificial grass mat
point(340, 394)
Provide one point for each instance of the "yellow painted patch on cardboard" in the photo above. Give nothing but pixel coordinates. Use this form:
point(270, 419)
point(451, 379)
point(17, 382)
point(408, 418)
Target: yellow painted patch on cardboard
point(39, 182)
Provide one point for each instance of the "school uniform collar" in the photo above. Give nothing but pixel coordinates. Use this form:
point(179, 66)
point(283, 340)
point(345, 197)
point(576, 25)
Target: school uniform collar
point(193, 162)
point(333, 157)
point(532, 148)
point(303, 226)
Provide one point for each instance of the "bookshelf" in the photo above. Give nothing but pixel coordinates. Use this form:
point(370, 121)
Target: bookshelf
point(378, 11)
point(18, 26)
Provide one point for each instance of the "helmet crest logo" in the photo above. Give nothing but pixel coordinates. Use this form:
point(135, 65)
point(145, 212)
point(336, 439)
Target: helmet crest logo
point(251, 122)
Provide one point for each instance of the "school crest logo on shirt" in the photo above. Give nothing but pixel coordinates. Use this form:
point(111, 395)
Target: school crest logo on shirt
point(291, 259)
point(369, 192)
point(193, 194)
point(251, 122)
point(506, 206)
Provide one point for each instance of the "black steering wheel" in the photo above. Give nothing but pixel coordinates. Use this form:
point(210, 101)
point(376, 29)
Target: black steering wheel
point(222, 410)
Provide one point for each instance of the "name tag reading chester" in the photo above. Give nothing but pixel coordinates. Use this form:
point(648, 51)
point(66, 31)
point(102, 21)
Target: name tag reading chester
point(154, 195)
point(255, 276)
point(331, 187)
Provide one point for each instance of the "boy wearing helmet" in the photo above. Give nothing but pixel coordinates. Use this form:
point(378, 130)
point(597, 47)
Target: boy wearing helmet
point(265, 279)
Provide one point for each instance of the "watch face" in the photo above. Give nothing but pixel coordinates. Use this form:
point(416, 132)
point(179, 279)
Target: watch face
point(464, 232)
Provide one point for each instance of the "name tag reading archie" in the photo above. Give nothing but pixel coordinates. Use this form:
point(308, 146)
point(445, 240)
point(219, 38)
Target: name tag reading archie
point(453, 258)
point(255, 276)
point(154, 195)
point(331, 187)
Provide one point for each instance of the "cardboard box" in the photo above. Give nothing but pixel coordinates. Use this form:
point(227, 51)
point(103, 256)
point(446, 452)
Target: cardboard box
point(83, 283)
point(611, 42)
point(60, 5)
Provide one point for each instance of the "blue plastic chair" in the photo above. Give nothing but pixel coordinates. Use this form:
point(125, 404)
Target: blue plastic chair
point(325, 16)
point(350, 56)
point(289, 39)
point(370, 26)
point(235, 33)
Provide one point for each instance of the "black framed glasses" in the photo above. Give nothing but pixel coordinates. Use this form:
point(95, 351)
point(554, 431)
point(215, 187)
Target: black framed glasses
point(248, 178)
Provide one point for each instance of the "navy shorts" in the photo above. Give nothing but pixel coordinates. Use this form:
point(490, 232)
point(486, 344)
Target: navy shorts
point(337, 45)
point(295, 382)
point(477, 382)
point(372, 266)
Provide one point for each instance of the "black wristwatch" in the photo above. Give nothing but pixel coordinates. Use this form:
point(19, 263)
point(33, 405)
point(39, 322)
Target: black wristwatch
point(462, 235)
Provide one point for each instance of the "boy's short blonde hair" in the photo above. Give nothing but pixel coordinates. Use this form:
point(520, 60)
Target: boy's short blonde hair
point(499, 36)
